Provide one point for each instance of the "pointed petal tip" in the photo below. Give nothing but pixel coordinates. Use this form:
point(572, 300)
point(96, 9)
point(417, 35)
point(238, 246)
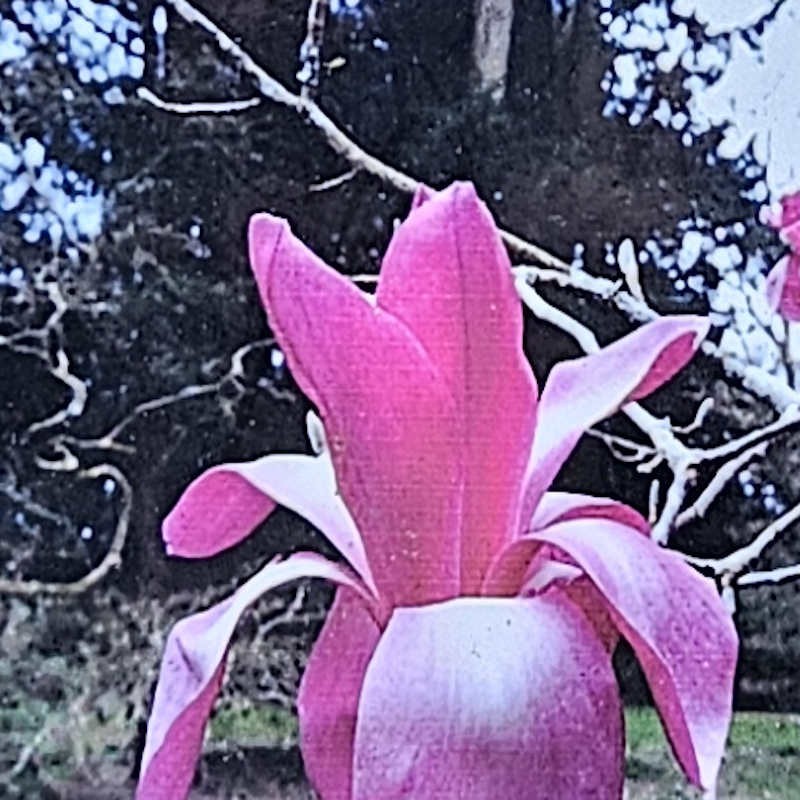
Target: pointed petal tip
point(264, 233)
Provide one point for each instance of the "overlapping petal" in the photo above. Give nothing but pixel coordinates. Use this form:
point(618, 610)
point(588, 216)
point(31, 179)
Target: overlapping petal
point(484, 698)
point(389, 417)
point(580, 392)
point(327, 704)
point(225, 504)
point(192, 670)
point(447, 276)
point(681, 634)
point(564, 506)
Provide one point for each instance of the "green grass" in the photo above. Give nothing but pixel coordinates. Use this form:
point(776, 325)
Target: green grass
point(762, 760)
point(262, 726)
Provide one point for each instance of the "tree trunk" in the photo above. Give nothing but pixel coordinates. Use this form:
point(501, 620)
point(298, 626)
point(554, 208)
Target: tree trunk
point(491, 46)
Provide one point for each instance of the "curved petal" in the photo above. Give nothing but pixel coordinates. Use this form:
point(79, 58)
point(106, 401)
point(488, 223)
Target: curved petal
point(581, 392)
point(447, 276)
point(393, 435)
point(487, 699)
point(192, 670)
point(563, 506)
point(328, 700)
point(226, 503)
point(514, 570)
point(675, 622)
point(783, 287)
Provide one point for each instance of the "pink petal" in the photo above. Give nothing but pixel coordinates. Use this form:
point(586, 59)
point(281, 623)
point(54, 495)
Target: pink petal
point(447, 276)
point(674, 620)
point(225, 504)
point(391, 428)
point(421, 196)
point(787, 220)
point(783, 287)
point(514, 570)
point(191, 673)
point(563, 506)
point(583, 391)
point(487, 699)
point(328, 700)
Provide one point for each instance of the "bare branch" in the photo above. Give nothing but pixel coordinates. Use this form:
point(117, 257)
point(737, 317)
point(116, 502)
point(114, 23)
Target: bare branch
point(738, 561)
point(201, 107)
point(336, 138)
point(311, 49)
point(727, 471)
point(779, 575)
point(111, 560)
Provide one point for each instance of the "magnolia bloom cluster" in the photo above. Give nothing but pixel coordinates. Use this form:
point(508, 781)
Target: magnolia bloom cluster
point(468, 650)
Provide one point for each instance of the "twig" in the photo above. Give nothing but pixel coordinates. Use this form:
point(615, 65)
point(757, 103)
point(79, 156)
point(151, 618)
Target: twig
point(756, 379)
point(738, 561)
point(337, 139)
point(332, 183)
point(111, 560)
point(698, 509)
point(311, 48)
point(778, 575)
point(202, 107)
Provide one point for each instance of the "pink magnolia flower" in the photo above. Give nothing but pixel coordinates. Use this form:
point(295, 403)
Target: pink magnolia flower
point(468, 650)
point(783, 280)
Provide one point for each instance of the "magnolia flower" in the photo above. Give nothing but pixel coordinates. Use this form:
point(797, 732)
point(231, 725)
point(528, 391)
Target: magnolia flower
point(468, 650)
point(783, 280)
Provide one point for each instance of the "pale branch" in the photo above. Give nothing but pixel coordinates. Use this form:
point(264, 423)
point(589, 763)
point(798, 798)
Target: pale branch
point(778, 575)
point(332, 183)
point(23, 500)
point(658, 430)
point(336, 138)
point(737, 562)
point(684, 475)
point(757, 380)
point(110, 439)
point(625, 450)
point(703, 410)
point(311, 48)
point(725, 473)
point(681, 459)
point(197, 107)
point(788, 420)
point(80, 394)
point(652, 500)
point(111, 560)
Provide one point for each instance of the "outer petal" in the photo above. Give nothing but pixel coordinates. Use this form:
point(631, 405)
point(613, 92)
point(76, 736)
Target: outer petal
point(447, 276)
point(581, 392)
point(225, 504)
point(783, 287)
point(389, 418)
point(674, 620)
point(192, 670)
point(487, 699)
point(329, 692)
point(562, 506)
point(525, 565)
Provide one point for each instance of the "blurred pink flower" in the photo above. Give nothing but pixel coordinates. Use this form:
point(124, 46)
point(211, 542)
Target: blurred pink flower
point(468, 650)
point(783, 280)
